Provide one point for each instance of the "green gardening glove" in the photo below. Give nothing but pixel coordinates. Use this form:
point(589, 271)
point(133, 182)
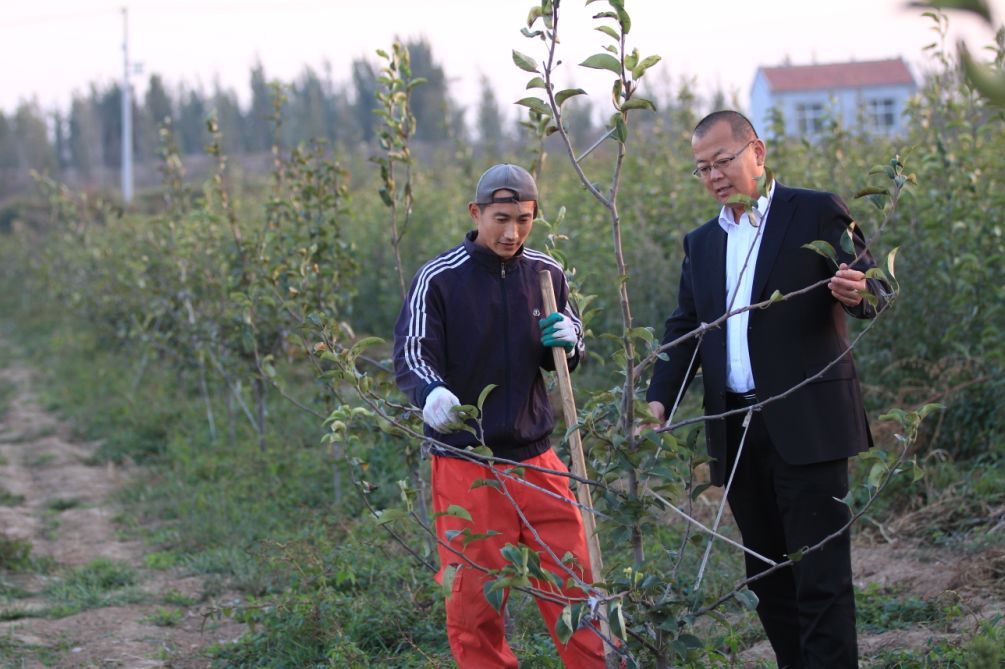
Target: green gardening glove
point(557, 330)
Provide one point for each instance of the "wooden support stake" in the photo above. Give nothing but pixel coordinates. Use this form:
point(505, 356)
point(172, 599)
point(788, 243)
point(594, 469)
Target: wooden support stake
point(583, 494)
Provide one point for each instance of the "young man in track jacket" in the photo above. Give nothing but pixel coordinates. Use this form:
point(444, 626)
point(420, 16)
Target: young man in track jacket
point(473, 318)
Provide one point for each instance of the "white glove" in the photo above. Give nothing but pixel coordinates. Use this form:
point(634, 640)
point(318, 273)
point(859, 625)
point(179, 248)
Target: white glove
point(438, 412)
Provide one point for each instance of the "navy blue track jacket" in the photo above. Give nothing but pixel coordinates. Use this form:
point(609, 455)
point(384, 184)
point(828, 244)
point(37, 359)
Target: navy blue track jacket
point(471, 320)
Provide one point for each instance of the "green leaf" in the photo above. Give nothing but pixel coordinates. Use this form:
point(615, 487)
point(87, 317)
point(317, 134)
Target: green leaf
point(562, 96)
point(454, 511)
point(631, 60)
point(848, 239)
point(485, 393)
point(747, 599)
point(646, 63)
point(603, 61)
point(872, 190)
point(643, 333)
point(823, 248)
point(877, 473)
point(990, 82)
point(876, 201)
point(494, 592)
point(448, 577)
point(489, 483)
point(365, 343)
point(623, 18)
point(390, 515)
point(620, 129)
point(533, 15)
point(797, 555)
point(638, 103)
point(563, 626)
point(776, 297)
point(386, 197)
point(535, 104)
point(699, 489)
point(930, 407)
point(616, 619)
point(875, 273)
point(524, 62)
point(536, 82)
point(610, 32)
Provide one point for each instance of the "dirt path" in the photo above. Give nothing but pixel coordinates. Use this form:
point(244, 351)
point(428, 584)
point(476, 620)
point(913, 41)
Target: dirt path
point(55, 500)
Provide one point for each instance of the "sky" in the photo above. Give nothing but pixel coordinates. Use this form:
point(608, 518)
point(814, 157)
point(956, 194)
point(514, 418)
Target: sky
point(53, 48)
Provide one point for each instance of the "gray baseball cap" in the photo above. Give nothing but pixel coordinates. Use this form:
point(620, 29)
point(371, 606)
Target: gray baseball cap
point(509, 177)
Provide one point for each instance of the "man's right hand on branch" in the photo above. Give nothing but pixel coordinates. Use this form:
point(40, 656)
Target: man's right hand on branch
point(659, 413)
point(438, 412)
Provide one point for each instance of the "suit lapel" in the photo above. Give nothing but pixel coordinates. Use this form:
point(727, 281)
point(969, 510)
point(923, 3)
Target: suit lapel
point(712, 294)
point(779, 217)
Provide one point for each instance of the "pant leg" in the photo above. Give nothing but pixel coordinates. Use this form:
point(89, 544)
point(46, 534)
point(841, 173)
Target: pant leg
point(754, 508)
point(475, 630)
point(807, 496)
point(559, 525)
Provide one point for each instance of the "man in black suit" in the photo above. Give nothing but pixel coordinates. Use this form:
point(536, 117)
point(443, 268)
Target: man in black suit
point(792, 363)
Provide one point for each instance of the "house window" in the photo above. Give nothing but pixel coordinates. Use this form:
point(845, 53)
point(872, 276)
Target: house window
point(809, 117)
point(882, 113)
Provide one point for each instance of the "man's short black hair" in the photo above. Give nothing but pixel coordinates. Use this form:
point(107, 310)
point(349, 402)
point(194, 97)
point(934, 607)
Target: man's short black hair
point(741, 126)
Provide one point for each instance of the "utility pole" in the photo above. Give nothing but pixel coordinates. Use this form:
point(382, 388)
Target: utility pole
point(127, 115)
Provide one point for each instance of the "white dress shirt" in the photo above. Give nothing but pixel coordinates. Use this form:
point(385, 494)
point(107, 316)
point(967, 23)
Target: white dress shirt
point(743, 242)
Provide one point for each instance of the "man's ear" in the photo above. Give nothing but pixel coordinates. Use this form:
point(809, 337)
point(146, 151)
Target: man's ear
point(473, 211)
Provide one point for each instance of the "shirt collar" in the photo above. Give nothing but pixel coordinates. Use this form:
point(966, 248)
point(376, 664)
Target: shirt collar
point(763, 202)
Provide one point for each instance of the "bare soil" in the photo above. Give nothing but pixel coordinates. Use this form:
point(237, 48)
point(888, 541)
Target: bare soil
point(42, 469)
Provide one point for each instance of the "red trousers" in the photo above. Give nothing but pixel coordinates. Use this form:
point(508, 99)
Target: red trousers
point(474, 628)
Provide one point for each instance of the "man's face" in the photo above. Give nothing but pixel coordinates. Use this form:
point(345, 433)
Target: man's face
point(503, 227)
point(736, 177)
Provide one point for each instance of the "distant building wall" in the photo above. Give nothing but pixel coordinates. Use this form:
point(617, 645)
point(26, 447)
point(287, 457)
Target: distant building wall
point(875, 107)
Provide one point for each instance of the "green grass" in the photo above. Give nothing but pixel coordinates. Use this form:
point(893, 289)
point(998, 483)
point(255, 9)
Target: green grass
point(97, 584)
point(15, 554)
point(8, 498)
point(163, 617)
point(63, 504)
point(177, 598)
point(880, 609)
point(982, 648)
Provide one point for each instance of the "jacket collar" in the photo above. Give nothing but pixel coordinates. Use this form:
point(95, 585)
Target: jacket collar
point(487, 258)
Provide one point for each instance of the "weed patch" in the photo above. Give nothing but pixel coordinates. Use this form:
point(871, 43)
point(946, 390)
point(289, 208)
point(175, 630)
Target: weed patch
point(7, 498)
point(15, 554)
point(882, 609)
point(99, 583)
point(165, 617)
point(63, 504)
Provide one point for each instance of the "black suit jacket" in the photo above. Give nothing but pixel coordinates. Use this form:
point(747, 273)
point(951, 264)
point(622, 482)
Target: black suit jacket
point(789, 341)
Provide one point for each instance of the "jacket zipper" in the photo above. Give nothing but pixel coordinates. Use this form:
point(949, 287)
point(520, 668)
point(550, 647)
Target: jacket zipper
point(506, 357)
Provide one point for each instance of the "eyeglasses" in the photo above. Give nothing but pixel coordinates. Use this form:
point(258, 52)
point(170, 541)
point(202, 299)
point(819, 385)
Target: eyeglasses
point(703, 171)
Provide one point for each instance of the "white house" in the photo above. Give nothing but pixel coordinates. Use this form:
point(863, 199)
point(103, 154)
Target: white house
point(868, 92)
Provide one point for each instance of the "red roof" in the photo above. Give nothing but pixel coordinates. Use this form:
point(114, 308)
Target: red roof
point(838, 75)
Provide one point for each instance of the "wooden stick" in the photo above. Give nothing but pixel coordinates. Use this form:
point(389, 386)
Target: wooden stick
point(578, 459)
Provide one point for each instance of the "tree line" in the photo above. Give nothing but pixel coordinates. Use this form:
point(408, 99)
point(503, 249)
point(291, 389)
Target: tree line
point(84, 142)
